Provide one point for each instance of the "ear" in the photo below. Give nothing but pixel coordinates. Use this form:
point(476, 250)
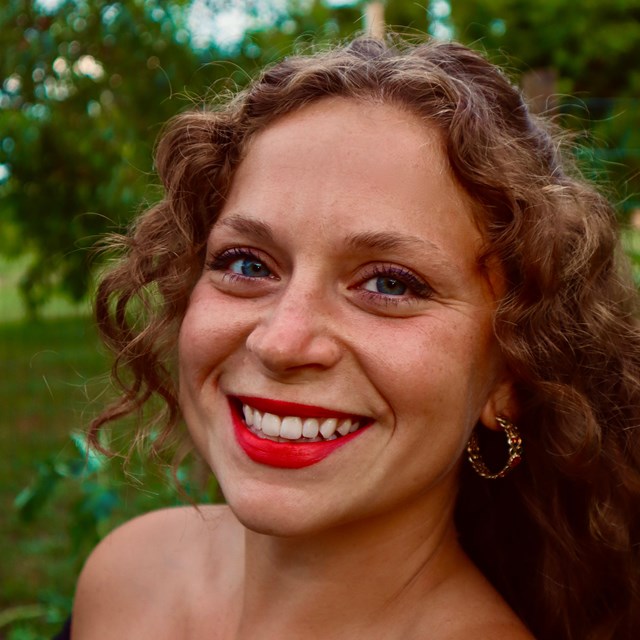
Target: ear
point(501, 402)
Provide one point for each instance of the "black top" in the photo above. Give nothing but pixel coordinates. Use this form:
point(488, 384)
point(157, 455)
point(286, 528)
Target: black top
point(65, 632)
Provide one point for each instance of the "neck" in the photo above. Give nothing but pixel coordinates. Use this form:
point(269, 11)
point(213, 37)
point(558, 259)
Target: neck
point(349, 577)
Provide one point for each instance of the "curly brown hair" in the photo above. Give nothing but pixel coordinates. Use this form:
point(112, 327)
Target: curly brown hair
point(560, 537)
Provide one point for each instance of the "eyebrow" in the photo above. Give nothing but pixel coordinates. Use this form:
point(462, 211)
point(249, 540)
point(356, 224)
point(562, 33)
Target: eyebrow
point(385, 241)
point(365, 241)
point(382, 240)
point(260, 230)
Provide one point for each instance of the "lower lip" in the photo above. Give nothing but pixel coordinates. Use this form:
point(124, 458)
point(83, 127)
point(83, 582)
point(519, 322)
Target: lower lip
point(286, 455)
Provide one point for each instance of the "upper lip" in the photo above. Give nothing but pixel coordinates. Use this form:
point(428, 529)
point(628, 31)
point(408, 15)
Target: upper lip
point(285, 408)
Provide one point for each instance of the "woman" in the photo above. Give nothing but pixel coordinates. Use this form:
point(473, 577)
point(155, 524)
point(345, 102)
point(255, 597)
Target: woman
point(367, 262)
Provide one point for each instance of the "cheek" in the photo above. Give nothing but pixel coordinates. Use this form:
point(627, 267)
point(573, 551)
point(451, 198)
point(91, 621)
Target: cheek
point(200, 351)
point(205, 341)
point(194, 342)
point(438, 365)
point(210, 331)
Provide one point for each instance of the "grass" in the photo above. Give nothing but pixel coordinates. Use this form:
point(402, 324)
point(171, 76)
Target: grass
point(11, 307)
point(52, 374)
point(47, 371)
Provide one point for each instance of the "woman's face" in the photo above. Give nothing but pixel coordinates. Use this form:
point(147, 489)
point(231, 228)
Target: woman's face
point(341, 277)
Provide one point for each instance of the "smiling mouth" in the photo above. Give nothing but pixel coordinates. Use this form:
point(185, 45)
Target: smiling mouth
point(291, 435)
point(296, 424)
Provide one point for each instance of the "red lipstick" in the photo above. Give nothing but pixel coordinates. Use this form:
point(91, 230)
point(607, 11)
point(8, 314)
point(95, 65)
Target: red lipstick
point(280, 408)
point(286, 455)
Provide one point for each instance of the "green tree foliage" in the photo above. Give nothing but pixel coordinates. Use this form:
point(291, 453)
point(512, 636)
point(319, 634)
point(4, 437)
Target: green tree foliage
point(86, 87)
point(85, 91)
point(593, 45)
point(594, 48)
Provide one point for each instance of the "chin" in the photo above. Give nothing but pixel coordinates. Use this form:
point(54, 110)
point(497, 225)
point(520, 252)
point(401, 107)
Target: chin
point(268, 524)
point(282, 512)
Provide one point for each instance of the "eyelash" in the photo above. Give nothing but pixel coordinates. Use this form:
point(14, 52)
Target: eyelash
point(222, 260)
point(416, 287)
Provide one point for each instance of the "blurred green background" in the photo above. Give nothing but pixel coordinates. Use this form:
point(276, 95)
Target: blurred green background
point(85, 87)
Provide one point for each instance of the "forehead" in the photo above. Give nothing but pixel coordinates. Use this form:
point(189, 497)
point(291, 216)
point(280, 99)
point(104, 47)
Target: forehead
point(368, 142)
point(343, 167)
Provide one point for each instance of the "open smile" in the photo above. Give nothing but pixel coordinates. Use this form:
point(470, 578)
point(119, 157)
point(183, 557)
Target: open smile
point(291, 435)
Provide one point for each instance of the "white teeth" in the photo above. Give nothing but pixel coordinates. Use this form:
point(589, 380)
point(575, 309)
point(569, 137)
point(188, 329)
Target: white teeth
point(295, 428)
point(310, 428)
point(291, 428)
point(270, 425)
point(328, 427)
point(344, 427)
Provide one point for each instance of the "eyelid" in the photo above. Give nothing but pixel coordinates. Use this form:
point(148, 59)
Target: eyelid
point(416, 285)
point(223, 258)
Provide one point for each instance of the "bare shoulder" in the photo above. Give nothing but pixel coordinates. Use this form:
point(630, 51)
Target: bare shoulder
point(513, 630)
point(489, 617)
point(154, 563)
point(488, 624)
point(151, 541)
point(468, 607)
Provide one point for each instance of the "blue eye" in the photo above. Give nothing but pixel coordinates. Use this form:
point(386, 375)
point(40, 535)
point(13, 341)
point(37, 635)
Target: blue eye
point(249, 267)
point(388, 282)
point(239, 262)
point(386, 285)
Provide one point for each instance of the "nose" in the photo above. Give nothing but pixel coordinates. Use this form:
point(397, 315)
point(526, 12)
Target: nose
point(295, 334)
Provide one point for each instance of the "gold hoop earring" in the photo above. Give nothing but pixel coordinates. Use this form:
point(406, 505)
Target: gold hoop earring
point(515, 451)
